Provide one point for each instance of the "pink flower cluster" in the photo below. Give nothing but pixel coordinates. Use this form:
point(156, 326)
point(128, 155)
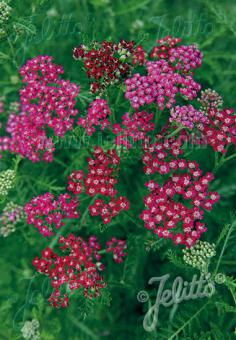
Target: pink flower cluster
point(187, 116)
point(134, 128)
point(160, 85)
point(47, 213)
point(165, 213)
point(98, 113)
point(117, 247)
point(220, 129)
point(47, 103)
point(78, 268)
point(183, 58)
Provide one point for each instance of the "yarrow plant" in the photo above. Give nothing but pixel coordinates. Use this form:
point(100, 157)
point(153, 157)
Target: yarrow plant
point(7, 179)
point(11, 215)
point(30, 330)
point(155, 109)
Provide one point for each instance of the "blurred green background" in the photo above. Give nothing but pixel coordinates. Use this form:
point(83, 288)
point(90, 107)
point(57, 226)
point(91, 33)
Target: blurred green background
point(54, 28)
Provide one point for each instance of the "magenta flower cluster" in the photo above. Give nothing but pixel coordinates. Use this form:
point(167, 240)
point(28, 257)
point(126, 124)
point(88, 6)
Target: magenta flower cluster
point(98, 114)
point(47, 103)
point(187, 116)
point(134, 128)
point(161, 85)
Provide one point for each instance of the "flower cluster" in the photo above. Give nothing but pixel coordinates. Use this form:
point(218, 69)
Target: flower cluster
point(11, 215)
point(134, 128)
point(47, 103)
point(47, 213)
point(100, 180)
point(108, 62)
point(160, 85)
point(7, 179)
point(98, 114)
point(77, 268)
point(187, 116)
point(108, 210)
point(199, 255)
point(30, 330)
point(5, 12)
point(117, 247)
point(165, 212)
point(220, 129)
point(183, 58)
point(210, 99)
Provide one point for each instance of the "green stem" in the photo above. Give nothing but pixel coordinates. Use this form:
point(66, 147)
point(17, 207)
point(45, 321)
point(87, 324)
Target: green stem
point(224, 246)
point(175, 132)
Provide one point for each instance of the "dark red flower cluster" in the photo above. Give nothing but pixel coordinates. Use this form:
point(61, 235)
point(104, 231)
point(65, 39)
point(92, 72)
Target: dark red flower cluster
point(117, 247)
point(109, 210)
point(77, 268)
point(98, 114)
point(108, 62)
point(47, 103)
point(47, 213)
point(161, 51)
point(165, 212)
point(220, 129)
point(100, 180)
point(134, 128)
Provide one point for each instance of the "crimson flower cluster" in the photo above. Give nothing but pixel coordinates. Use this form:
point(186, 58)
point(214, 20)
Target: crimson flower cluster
point(165, 213)
point(134, 128)
point(47, 102)
point(77, 268)
point(161, 51)
point(117, 247)
point(47, 213)
point(98, 113)
point(108, 62)
point(220, 129)
point(100, 180)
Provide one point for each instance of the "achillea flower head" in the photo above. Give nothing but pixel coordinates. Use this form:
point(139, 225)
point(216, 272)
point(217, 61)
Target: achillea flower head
point(134, 128)
point(7, 179)
point(220, 129)
point(30, 330)
point(108, 62)
point(5, 11)
point(47, 105)
point(11, 215)
point(46, 213)
point(98, 115)
point(165, 214)
point(199, 255)
point(100, 180)
point(77, 266)
point(117, 247)
point(161, 86)
point(187, 116)
point(210, 99)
